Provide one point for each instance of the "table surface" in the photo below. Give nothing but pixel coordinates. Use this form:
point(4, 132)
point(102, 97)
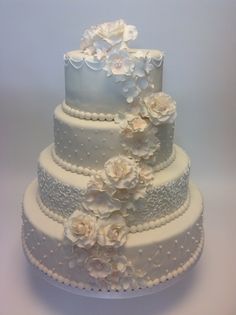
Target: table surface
point(208, 289)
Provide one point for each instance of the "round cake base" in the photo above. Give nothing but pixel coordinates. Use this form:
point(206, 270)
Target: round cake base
point(113, 294)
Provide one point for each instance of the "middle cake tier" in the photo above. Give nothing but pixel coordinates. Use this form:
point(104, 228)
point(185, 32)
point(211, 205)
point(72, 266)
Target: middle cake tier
point(84, 144)
point(61, 192)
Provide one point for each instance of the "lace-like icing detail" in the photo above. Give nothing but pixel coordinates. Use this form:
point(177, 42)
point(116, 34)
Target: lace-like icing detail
point(71, 167)
point(132, 229)
point(161, 201)
point(61, 198)
point(86, 115)
point(161, 221)
point(56, 217)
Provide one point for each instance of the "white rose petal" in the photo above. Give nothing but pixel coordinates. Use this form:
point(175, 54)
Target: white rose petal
point(81, 229)
point(112, 232)
point(121, 172)
point(160, 108)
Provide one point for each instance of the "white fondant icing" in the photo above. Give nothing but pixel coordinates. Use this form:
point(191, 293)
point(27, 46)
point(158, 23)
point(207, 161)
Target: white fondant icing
point(133, 228)
point(62, 191)
point(75, 139)
point(113, 208)
point(105, 96)
point(158, 244)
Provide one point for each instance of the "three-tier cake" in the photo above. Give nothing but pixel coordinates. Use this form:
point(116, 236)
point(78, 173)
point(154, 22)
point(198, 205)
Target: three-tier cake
point(112, 208)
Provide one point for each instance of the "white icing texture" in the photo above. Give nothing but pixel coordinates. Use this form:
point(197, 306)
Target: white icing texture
point(89, 144)
point(112, 208)
point(62, 192)
point(146, 259)
point(89, 88)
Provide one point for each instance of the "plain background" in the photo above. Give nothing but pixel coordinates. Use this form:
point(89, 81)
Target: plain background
point(199, 41)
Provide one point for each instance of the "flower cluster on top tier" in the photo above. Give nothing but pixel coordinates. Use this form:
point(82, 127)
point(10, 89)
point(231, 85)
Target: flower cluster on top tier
point(108, 42)
point(100, 39)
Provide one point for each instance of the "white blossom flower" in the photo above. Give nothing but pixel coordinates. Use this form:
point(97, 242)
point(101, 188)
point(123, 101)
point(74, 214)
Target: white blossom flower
point(119, 63)
point(131, 90)
point(112, 232)
point(121, 172)
point(141, 144)
point(143, 65)
point(98, 267)
point(100, 203)
point(132, 124)
point(105, 36)
point(81, 229)
point(159, 108)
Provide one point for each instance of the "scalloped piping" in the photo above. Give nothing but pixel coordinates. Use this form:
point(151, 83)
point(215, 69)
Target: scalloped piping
point(150, 283)
point(88, 171)
point(86, 115)
point(132, 229)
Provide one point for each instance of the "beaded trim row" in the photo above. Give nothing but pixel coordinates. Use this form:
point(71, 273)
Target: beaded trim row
point(84, 286)
point(71, 167)
point(88, 171)
point(132, 229)
point(86, 115)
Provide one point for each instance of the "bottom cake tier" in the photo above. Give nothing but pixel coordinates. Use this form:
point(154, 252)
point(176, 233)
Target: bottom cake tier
point(147, 259)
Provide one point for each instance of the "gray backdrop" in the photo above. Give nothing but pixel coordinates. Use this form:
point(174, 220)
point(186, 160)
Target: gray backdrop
point(198, 38)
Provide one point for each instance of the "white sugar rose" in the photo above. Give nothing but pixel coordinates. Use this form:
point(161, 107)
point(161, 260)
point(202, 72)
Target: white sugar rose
point(117, 31)
point(159, 108)
point(96, 182)
point(100, 203)
point(141, 144)
point(133, 124)
point(81, 229)
point(146, 174)
point(121, 172)
point(119, 63)
point(104, 37)
point(98, 267)
point(112, 232)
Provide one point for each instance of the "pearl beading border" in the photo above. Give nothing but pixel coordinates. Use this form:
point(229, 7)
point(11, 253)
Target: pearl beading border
point(49, 213)
point(84, 286)
point(132, 229)
point(86, 115)
point(161, 221)
point(88, 171)
point(71, 167)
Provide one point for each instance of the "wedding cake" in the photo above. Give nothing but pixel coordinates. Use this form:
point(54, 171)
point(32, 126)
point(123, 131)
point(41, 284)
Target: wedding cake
point(112, 208)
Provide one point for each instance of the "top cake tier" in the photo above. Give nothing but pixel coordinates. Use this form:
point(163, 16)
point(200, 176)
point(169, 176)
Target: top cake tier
point(102, 86)
point(105, 76)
